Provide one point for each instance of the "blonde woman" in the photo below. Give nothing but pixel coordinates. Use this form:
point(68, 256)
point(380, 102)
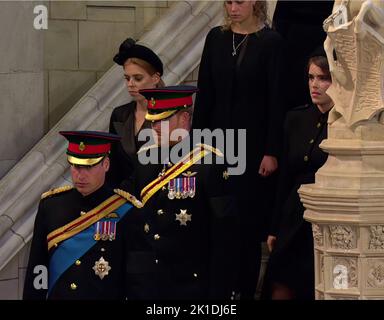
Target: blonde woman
point(239, 88)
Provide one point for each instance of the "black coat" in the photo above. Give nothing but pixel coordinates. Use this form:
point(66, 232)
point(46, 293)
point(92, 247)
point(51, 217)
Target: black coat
point(56, 211)
point(291, 261)
point(246, 95)
point(168, 260)
point(249, 95)
point(123, 154)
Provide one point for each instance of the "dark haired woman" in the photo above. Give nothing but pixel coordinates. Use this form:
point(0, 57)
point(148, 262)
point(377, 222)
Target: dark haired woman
point(290, 271)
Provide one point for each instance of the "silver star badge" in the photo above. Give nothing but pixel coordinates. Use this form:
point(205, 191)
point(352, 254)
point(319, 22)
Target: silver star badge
point(183, 217)
point(101, 268)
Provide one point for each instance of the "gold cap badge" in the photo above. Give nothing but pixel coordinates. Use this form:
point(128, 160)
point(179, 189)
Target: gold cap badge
point(81, 146)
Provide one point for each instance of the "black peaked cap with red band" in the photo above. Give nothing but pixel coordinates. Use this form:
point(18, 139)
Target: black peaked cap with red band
point(166, 101)
point(87, 148)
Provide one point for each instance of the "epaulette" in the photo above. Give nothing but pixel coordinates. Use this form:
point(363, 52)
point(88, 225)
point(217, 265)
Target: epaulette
point(305, 106)
point(131, 198)
point(210, 148)
point(56, 191)
point(142, 149)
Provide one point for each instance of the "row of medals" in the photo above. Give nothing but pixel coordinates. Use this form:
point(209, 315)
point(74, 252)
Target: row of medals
point(105, 230)
point(182, 188)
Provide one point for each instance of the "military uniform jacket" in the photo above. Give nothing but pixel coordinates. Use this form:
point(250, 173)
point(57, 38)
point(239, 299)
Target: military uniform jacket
point(183, 246)
point(79, 281)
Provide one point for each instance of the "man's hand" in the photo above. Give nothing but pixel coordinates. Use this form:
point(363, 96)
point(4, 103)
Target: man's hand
point(271, 241)
point(268, 166)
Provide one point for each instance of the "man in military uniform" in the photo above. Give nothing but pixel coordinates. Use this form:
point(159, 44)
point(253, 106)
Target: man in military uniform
point(76, 250)
point(182, 243)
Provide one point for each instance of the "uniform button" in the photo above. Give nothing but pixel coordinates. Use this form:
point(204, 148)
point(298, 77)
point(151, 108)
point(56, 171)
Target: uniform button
point(160, 212)
point(195, 275)
point(156, 261)
point(306, 158)
point(146, 228)
point(82, 213)
point(311, 141)
point(102, 249)
point(318, 125)
point(156, 237)
point(73, 286)
point(78, 262)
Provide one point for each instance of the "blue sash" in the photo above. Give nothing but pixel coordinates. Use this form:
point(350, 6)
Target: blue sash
point(74, 248)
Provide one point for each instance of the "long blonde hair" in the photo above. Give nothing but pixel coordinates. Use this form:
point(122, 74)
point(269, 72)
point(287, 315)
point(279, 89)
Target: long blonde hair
point(260, 11)
point(147, 67)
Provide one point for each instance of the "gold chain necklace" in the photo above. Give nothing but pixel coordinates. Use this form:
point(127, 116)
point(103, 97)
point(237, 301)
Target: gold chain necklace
point(234, 52)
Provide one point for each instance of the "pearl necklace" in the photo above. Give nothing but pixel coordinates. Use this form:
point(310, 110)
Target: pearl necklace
point(234, 52)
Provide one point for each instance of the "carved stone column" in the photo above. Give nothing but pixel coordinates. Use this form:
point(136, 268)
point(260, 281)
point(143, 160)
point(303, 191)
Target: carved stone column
point(346, 203)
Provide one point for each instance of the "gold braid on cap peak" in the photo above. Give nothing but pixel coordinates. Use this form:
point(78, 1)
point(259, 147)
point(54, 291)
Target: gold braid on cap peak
point(210, 148)
point(131, 198)
point(56, 191)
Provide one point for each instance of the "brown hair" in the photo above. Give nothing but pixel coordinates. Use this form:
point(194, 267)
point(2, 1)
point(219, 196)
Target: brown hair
point(147, 67)
point(321, 62)
point(260, 11)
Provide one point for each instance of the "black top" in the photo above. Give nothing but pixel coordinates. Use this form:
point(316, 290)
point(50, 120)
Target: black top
point(56, 211)
point(245, 94)
point(195, 260)
point(123, 154)
point(291, 262)
point(305, 128)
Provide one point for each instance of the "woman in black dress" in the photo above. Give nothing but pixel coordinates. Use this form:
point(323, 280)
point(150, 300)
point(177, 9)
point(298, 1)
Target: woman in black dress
point(239, 88)
point(290, 271)
point(142, 70)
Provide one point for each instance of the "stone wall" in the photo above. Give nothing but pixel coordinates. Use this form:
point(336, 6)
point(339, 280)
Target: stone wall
point(22, 110)
point(43, 73)
point(12, 276)
point(81, 40)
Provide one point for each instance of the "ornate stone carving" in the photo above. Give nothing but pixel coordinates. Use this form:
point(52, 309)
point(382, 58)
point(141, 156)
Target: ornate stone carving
point(376, 240)
point(317, 234)
point(347, 196)
point(345, 273)
point(343, 298)
point(342, 237)
point(375, 277)
point(358, 69)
